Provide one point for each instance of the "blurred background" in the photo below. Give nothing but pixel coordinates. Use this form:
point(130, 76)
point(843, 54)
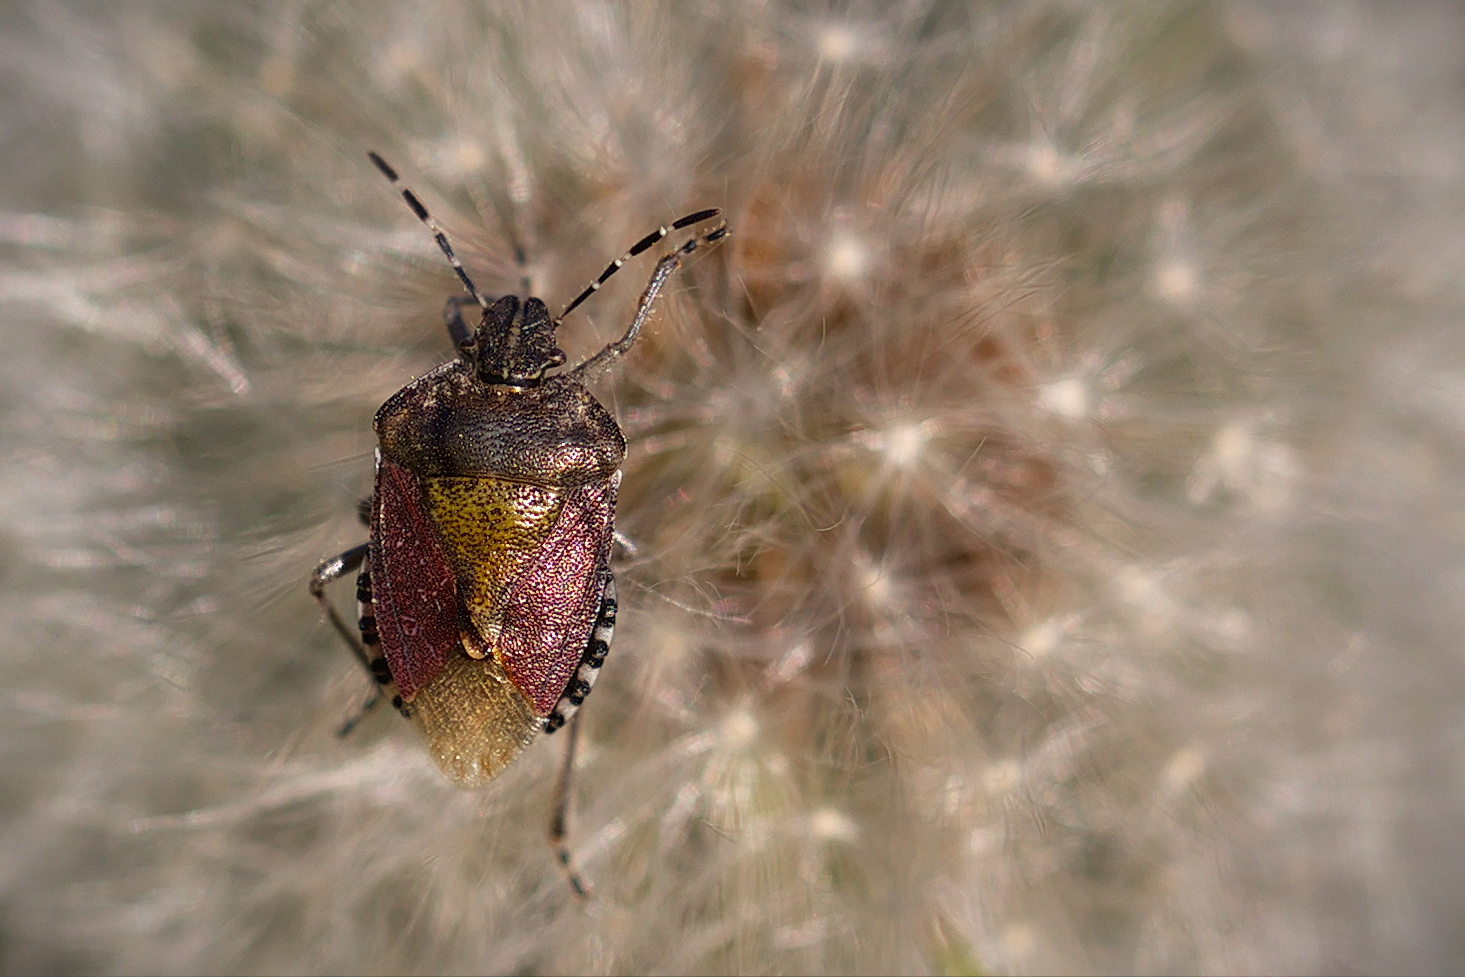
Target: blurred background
point(1048, 503)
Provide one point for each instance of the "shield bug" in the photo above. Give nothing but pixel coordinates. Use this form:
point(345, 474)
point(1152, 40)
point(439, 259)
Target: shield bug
point(485, 591)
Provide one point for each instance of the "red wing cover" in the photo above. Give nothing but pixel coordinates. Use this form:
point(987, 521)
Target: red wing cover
point(413, 589)
point(553, 603)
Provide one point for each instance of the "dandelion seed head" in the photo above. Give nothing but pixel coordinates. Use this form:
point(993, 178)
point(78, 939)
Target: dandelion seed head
point(1067, 398)
point(1185, 767)
point(1047, 166)
point(1241, 462)
point(1019, 940)
point(1007, 494)
point(1233, 448)
point(1140, 586)
point(1002, 778)
point(1043, 638)
point(829, 824)
point(739, 730)
point(845, 258)
point(1176, 280)
point(1144, 591)
point(874, 583)
point(837, 43)
point(792, 662)
point(470, 157)
point(903, 444)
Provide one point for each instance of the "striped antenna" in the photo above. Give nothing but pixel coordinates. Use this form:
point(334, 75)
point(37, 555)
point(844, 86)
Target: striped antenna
point(426, 218)
point(641, 245)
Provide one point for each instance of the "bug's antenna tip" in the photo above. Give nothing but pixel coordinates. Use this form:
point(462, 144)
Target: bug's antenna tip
point(382, 165)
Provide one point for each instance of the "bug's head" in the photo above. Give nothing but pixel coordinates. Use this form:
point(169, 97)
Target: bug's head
point(514, 344)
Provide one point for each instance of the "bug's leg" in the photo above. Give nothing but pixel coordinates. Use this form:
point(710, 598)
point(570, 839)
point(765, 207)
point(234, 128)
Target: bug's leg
point(665, 268)
point(367, 708)
point(328, 572)
point(363, 510)
point(458, 330)
point(364, 647)
point(566, 711)
point(376, 662)
point(624, 542)
point(559, 813)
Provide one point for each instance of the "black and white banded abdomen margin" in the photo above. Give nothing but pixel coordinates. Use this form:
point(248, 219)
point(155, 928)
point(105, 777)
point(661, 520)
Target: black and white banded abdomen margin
point(595, 652)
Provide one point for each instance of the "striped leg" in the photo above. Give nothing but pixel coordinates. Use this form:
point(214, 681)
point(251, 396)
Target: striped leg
point(328, 572)
point(366, 648)
point(559, 814)
point(567, 711)
point(376, 664)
